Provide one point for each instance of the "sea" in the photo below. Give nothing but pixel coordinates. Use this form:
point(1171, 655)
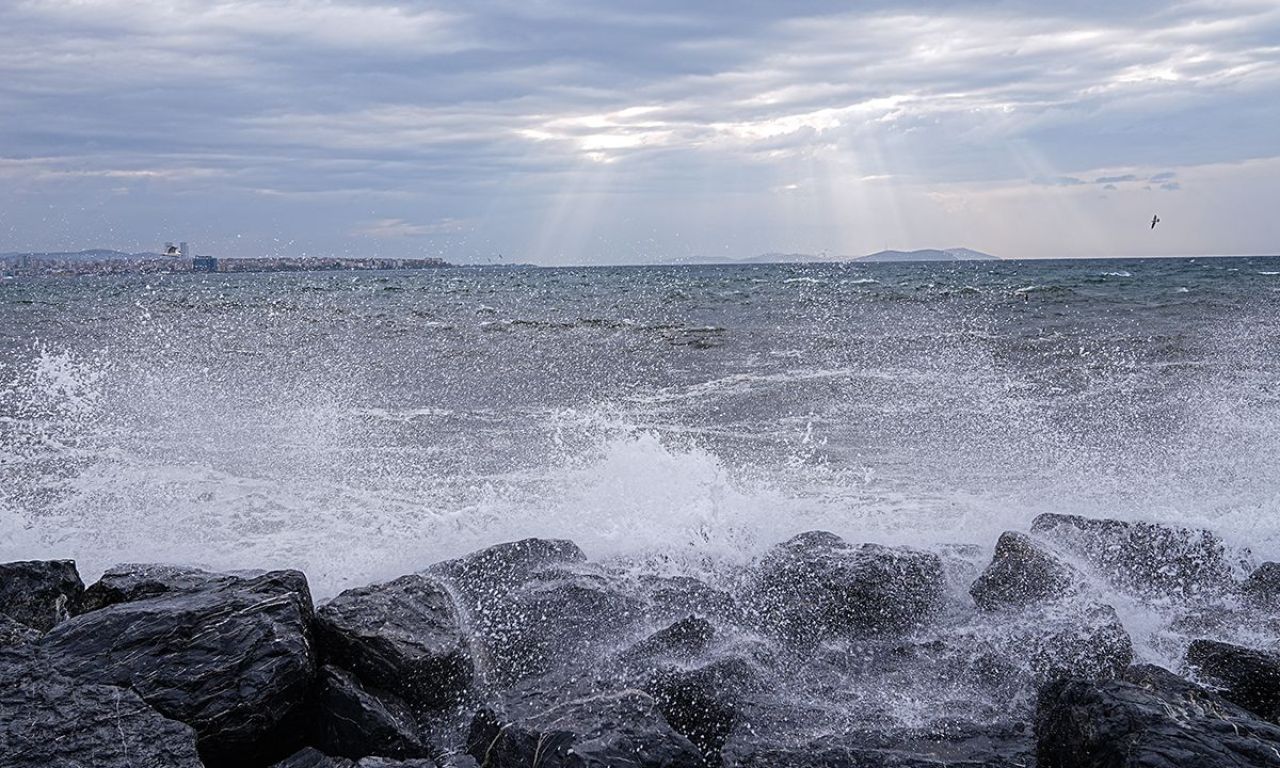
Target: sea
point(362, 425)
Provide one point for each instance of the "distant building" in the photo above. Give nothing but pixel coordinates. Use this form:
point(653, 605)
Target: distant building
point(207, 264)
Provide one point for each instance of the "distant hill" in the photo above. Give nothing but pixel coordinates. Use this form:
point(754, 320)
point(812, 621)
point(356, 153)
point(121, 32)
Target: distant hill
point(93, 254)
point(929, 254)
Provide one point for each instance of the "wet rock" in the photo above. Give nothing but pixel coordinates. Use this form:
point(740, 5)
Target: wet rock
point(701, 704)
point(676, 596)
point(1244, 676)
point(403, 636)
point(1150, 719)
point(1262, 588)
point(310, 757)
point(1146, 557)
point(48, 719)
point(1084, 641)
point(817, 586)
point(491, 573)
point(352, 721)
point(684, 639)
point(618, 729)
point(15, 632)
point(40, 593)
point(233, 661)
point(139, 581)
point(1021, 574)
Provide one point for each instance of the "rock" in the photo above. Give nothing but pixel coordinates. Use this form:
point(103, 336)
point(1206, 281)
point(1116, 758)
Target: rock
point(233, 661)
point(1087, 641)
point(352, 721)
point(138, 581)
point(1145, 557)
point(1262, 588)
point(684, 639)
point(817, 586)
point(1246, 677)
point(615, 729)
point(403, 636)
point(1149, 719)
point(676, 596)
point(15, 632)
point(40, 593)
point(48, 720)
point(701, 704)
point(311, 757)
point(491, 573)
point(1021, 574)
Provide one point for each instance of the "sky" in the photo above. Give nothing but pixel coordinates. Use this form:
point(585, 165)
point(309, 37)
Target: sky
point(583, 132)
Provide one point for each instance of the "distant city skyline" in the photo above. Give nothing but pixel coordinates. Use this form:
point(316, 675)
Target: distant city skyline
point(582, 132)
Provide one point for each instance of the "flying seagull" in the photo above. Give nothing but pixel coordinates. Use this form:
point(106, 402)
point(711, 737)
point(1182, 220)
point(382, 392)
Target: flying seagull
point(1154, 221)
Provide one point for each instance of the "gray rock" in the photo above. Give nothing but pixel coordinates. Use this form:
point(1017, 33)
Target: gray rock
point(1085, 641)
point(701, 704)
point(233, 661)
point(491, 573)
point(1262, 588)
point(310, 757)
point(616, 729)
point(48, 720)
point(817, 586)
point(1244, 676)
point(403, 636)
point(352, 721)
point(139, 581)
point(1021, 574)
point(1144, 557)
point(1150, 719)
point(15, 632)
point(684, 639)
point(40, 593)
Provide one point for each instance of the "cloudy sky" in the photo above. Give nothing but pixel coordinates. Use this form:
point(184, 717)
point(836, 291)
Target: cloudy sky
point(588, 131)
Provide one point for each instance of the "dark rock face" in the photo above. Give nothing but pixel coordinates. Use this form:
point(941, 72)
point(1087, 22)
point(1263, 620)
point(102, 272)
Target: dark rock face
point(15, 632)
point(684, 639)
point(1262, 588)
point(1150, 719)
point(1246, 677)
point(701, 704)
point(1021, 574)
point(314, 758)
point(674, 597)
point(816, 585)
point(491, 573)
point(1148, 558)
point(621, 729)
point(48, 720)
point(403, 636)
point(40, 593)
point(233, 661)
point(139, 581)
point(352, 721)
point(1088, 642)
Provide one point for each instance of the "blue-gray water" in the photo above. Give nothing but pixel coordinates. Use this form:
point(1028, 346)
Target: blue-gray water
point(360, 425)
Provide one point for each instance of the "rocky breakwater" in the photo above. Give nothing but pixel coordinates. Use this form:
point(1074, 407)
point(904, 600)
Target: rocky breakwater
point(824, 652)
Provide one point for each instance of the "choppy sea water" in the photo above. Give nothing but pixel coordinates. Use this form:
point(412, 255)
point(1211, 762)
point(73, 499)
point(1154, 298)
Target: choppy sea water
point(362, 425)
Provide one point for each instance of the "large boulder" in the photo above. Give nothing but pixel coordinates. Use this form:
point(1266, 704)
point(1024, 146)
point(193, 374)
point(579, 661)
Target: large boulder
point(685, 639)
point(40, 593)
point(310, 757)
point(1022, 574)
point(1262, 588)
point(489, 574)
point(1247, 677)
point(1144, 557)
point(1083, 640)
point(234, 661)
point(1149, 719)
point(48, 720)
point(701, 703)
point(139, 581)
point(14, 632)
point(403, 636)
point(613, 729)
point(353, 721)
point(817, 586)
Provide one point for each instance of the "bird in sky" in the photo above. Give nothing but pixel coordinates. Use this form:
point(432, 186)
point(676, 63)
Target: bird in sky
point(1154, 221)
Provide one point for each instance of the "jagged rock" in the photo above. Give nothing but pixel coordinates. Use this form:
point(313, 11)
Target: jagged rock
point(1085, 641)
point(1262, 588)
point(677, 596)
point(138, 581)
point(40, 593)
point(1021, 574)
point(403, 636)
point(493, 572)
point(15, 632)
point(1146, 557)
point(1150, 719)
point(816, 586)
point(618, 729)
point(701, 704)
point(684, 639)
point(233, 661)
point(310, 757)
point(48, 720)
point(352, 721)
point(1245, 676)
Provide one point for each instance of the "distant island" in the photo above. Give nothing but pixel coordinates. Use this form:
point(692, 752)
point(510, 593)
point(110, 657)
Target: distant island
point(99, 261)
point(926, 254)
